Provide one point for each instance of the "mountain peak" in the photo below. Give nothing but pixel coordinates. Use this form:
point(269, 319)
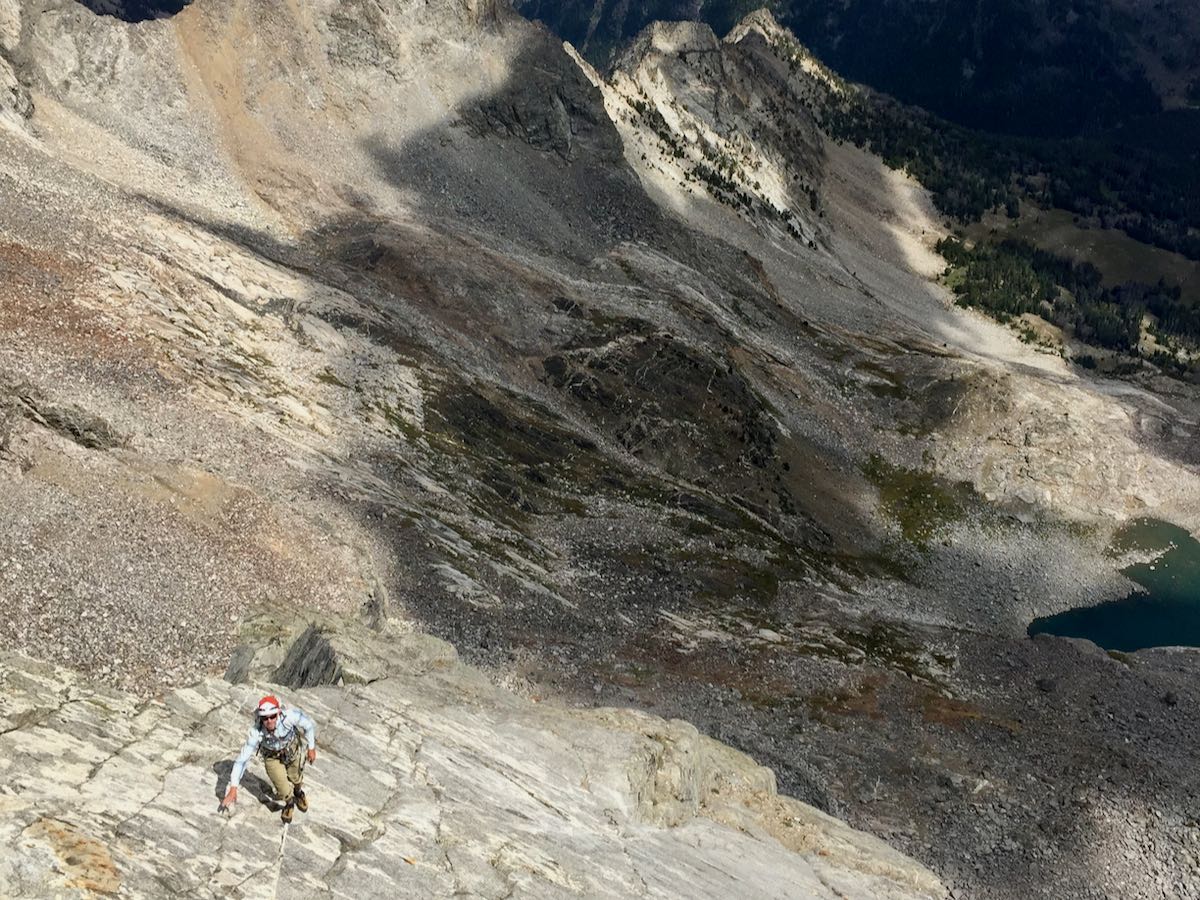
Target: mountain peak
point(762, 20)
point(667, 38)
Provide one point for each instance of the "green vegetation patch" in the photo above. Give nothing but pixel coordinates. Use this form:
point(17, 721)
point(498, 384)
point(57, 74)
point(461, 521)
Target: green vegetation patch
point(327, 376)
point(920, 503)
point(1126, 659)
point(1119, 257)
point(1012, 278)
point(1125, 179)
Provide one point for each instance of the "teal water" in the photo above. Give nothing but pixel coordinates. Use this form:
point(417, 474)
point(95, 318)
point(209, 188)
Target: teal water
point(1165, 614)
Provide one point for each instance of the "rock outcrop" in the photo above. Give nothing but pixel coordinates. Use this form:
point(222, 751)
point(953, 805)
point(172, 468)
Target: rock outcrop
point(722, 120)
point(15, 104)
point(16, 107)
point(430, 782)
point(69, 419)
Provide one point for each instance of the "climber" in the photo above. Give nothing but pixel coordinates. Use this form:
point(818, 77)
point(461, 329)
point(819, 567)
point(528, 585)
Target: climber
point(276, 734)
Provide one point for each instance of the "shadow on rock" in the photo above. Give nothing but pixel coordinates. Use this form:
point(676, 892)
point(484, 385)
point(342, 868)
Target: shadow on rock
point(136, 10)
point(259, 789)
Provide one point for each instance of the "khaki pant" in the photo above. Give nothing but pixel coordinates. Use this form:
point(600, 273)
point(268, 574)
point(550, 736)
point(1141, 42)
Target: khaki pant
point(286, 779)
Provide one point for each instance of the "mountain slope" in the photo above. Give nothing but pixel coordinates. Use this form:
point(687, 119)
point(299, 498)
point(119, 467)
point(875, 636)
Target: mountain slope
point(638, 389)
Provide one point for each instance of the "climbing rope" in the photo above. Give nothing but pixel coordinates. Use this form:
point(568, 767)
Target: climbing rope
point(279, 861)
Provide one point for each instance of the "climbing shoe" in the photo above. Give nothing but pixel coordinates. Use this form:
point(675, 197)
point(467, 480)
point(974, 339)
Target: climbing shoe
point(301, 801)
point(286, 815)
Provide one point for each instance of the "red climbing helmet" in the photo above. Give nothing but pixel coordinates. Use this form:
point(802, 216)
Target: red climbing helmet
point(267, 706)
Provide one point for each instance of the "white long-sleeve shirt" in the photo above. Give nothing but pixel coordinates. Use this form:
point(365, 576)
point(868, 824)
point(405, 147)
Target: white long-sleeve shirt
point(286, 726)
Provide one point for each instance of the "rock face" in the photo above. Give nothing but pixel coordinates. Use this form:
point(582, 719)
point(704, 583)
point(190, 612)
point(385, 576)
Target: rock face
point(15, 104)
point(14, 99)
point(70, 420)
point(430, 782)
point(727, 120)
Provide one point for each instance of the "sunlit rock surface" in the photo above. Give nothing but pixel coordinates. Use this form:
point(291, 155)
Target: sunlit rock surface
point(430, 782)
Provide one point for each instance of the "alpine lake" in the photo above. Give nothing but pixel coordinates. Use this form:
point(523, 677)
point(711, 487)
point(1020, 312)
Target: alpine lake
point(1166, 613)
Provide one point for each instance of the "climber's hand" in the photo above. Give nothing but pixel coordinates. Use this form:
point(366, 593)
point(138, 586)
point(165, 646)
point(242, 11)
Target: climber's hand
point(230, 798)
point(312, 754)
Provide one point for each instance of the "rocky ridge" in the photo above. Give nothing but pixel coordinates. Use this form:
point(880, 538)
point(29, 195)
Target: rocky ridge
point(429, 782)
point(725, 103)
